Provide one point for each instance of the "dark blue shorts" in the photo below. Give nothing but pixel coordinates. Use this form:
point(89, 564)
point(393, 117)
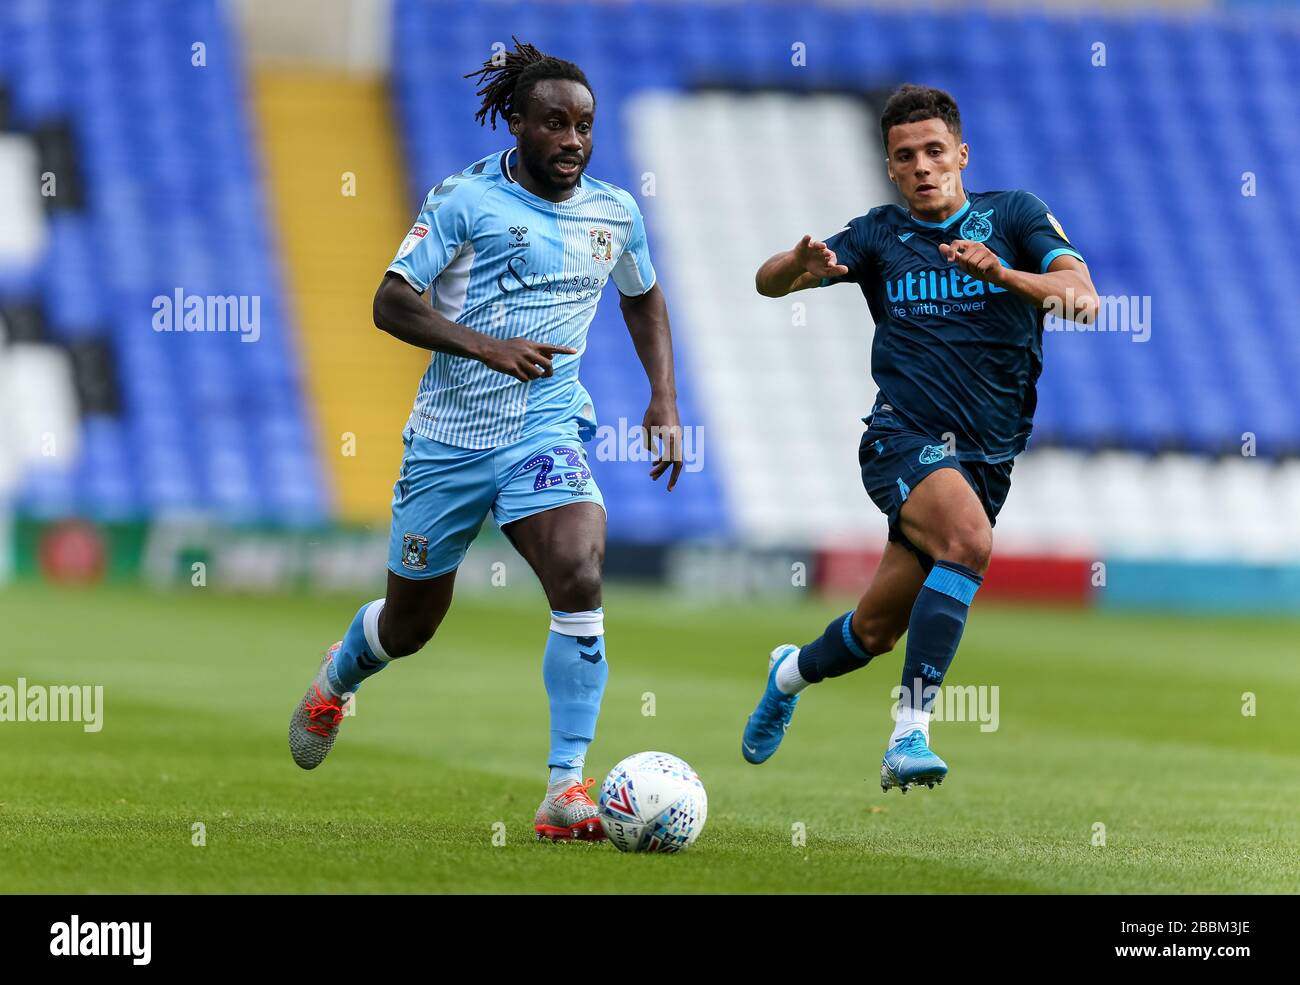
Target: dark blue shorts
point(893, 462)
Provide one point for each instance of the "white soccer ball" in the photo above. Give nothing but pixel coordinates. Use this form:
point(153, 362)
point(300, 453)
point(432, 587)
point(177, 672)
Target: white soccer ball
point(653, 802)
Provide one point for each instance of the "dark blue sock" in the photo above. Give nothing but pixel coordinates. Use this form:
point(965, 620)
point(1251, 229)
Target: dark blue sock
point(836, 652)
point(938, 618)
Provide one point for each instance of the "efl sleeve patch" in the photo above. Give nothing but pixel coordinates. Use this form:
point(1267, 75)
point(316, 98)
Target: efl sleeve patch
point(1038, 236)
point(417, 233)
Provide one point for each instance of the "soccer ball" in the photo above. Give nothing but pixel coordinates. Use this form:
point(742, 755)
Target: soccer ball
point(652, 802)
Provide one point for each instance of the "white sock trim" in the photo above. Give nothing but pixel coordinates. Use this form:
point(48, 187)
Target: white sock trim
point(909, 719)
point(370, 623)
point(788, 678)
point(591, 623)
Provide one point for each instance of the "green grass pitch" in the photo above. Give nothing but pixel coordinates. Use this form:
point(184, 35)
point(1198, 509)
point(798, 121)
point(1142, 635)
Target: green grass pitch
point(1129, 721)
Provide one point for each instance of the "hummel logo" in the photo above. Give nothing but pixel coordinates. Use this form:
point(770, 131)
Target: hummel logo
point(519, 232)
point(904, 237)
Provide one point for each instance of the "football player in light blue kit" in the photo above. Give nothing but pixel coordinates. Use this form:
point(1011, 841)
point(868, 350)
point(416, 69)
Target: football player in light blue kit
point(514, 251)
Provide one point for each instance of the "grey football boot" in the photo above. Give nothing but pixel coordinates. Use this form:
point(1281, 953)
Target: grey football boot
point(567, 814)
point(315, 722)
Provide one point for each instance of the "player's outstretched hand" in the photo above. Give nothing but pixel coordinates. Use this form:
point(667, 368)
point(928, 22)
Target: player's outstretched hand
point(523, 358)
point(818, 258)
point(661, 423)
point(973, 258)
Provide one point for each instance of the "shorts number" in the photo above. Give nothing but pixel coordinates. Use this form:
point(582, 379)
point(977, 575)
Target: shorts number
point(545, 463)
point(544, 478)
point(573, 458)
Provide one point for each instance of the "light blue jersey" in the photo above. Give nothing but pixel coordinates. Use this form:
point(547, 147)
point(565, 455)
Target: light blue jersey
point(507, 263)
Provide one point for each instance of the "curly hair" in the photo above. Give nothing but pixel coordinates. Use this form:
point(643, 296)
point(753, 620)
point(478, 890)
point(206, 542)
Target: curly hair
point(509, 79)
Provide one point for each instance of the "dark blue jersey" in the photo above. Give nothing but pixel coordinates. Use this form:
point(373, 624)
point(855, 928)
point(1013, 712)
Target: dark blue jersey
point(953, 354)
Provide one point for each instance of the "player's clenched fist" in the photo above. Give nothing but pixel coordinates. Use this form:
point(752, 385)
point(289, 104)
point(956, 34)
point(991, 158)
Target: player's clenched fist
point(523, 358)
point(818, 258)
point(974, 258)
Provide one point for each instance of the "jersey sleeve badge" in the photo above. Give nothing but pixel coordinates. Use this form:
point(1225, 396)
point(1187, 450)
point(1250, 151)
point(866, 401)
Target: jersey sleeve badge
point(417, 233)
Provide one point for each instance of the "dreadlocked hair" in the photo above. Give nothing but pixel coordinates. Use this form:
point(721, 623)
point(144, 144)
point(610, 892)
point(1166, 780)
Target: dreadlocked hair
point(508, 79)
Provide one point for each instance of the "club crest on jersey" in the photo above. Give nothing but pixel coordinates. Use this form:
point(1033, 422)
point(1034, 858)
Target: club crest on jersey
point(932, 453)
point(976, 227)
point(602, 245)
point(417, 233)
point(415, 552)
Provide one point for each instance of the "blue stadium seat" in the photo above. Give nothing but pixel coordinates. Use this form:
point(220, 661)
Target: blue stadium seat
point(1146, 176)
point(170, 200)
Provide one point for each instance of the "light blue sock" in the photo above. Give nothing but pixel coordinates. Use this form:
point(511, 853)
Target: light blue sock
point(574, 671)
point(360, 656)
point(565, 774)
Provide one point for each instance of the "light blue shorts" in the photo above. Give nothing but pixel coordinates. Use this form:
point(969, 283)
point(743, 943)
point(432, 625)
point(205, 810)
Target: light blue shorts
point(443, 493)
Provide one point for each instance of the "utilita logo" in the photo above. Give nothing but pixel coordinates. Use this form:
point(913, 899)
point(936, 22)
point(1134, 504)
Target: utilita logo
point(75, 939)
point(931, 285)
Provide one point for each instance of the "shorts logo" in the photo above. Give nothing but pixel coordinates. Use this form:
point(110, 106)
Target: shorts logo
point(977, 227)
point(932, 453)
point(415, 552)
point(579, 486)
point(602, 245)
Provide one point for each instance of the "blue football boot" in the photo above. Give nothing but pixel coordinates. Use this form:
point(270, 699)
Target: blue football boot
point(765, 728)
point(908, 761)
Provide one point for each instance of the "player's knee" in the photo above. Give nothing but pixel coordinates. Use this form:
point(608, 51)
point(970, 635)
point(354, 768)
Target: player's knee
point(970, 545)
point(576, 585)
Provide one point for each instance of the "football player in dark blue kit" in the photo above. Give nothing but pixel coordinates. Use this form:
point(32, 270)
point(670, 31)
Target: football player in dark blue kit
point(958, 283)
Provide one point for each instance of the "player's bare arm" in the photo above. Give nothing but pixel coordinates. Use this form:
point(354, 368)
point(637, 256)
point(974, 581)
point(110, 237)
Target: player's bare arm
point(646, 316)
point(798, 269)
point(400, 312)
point(1066, 287)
